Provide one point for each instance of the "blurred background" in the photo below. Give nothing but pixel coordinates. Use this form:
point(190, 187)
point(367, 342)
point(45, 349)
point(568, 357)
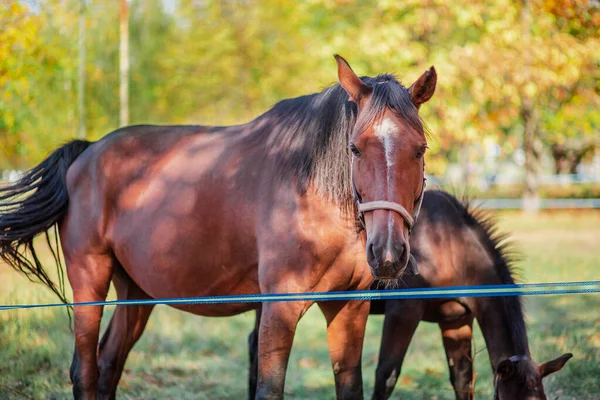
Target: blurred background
point(515, 119)
point(516, 113)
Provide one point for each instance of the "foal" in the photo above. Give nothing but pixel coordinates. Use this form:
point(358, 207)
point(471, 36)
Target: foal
point(457, 247)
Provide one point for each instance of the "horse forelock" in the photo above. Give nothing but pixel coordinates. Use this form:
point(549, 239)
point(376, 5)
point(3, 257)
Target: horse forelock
point(389, 94)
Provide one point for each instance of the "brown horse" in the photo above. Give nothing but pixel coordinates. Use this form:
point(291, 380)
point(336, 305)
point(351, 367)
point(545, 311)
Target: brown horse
point(457, 247)
point(265, 207)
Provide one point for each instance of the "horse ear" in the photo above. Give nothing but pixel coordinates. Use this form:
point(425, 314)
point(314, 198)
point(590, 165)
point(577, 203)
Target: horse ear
point(424, 87)
point(356, 89)
point(505, 370)
point(554, 365)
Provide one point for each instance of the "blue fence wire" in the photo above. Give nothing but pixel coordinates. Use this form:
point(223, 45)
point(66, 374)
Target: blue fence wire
point(530, 289)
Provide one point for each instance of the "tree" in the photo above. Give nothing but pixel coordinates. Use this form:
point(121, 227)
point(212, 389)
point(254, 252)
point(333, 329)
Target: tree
point(520, 76)
point(124, 63)
point(516, 72)
point(82, 131)
point(24, 57)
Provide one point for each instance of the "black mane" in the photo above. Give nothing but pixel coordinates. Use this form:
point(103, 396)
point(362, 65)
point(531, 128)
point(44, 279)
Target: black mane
point(504, 256)
point(307, 137)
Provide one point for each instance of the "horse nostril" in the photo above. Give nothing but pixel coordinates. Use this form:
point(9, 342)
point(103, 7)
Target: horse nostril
point(401, 250)
point(371, 252)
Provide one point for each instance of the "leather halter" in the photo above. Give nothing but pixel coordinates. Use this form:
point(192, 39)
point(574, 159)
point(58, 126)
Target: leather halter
point(409, 219)
point(512, 359)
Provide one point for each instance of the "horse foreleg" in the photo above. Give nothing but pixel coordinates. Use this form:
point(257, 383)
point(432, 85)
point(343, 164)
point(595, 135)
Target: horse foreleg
point(125, 328)
point(457, 337)
point(401, 320)
point(253, 355)
point(346, 323)
point(277, 328)
point(89, 276)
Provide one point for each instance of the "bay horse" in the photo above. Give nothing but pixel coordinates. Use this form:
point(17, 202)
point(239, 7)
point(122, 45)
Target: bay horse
point(266, 207)
point(457, 246)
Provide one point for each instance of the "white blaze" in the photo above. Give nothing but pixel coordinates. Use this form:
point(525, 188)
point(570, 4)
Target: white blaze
point(385, 131)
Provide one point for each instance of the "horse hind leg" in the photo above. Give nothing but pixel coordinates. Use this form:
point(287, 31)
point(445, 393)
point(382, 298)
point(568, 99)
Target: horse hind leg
point(457, 336)
point(89, 275)
point(124, 330)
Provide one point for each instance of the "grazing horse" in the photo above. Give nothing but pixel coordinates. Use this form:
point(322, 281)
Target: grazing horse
point(457, 247)
point(265, 207)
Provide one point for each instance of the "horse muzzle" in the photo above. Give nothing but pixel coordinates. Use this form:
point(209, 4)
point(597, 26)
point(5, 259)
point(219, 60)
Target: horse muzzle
point(387, 261)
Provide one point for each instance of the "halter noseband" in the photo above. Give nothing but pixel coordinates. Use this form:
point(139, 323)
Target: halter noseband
point(511, 359)
point(409, 219)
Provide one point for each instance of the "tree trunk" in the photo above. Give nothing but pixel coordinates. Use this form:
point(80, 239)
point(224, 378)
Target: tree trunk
point(578, 155)
point(81, 131)
point(559, 154)
point(529, 116)
point(464, 152)
point(124, 64)
point(531, 199)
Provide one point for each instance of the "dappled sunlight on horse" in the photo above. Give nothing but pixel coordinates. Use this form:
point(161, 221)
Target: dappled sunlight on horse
point(266, 207)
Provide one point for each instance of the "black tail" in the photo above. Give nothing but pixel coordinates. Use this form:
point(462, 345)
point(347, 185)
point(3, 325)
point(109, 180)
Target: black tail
point(32, 206)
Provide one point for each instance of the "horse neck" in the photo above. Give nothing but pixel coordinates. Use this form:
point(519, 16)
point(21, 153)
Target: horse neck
point(502, 324)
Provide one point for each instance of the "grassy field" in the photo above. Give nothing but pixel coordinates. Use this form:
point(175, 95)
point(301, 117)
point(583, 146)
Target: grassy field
point(185, 357)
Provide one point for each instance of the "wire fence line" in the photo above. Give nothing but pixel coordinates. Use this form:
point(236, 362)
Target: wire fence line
point(408, 293)
point(543, 179)
point(544, 204)
point(529, 289)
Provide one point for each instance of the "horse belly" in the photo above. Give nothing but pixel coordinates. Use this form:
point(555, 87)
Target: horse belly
point(217, 310)
point(161, 282)
point(444, 311)
point(183, 229)
point(188, 257)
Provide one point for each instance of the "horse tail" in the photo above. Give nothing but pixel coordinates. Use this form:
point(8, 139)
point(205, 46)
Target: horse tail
point(33, 205)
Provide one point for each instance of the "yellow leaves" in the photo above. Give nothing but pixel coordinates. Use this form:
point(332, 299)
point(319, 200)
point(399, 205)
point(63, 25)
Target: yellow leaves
point(466, 18)
point(406, 380)
point(530, 89)
point(432, 372)
point(226, 62)
point(594, 340)
point(9, 120)
point(17, 43)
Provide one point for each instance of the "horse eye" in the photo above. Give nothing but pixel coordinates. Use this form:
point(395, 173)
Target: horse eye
point(354, 150)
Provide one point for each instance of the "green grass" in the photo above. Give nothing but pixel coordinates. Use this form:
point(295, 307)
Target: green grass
point(182, 356)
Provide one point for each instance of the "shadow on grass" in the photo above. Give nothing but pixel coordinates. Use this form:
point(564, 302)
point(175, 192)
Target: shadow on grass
point(570, 323)
point(36, 350)
point(181, 356)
